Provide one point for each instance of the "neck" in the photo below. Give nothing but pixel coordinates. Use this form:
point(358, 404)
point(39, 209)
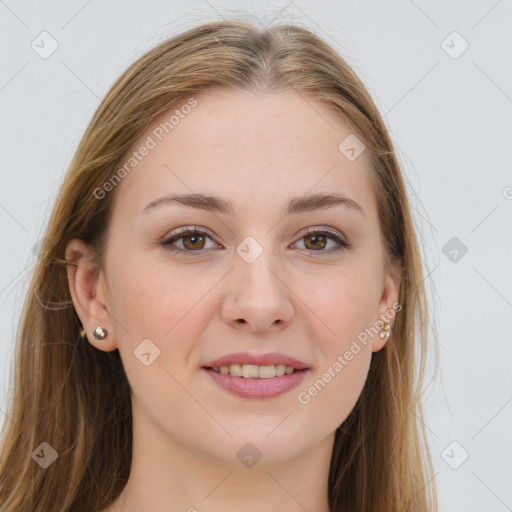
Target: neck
point(167, 476)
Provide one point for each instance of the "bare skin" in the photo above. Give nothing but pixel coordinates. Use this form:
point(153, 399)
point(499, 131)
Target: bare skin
point(298, 297)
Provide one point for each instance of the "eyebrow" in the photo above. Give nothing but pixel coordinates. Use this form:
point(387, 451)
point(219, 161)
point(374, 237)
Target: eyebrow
point(294, 205)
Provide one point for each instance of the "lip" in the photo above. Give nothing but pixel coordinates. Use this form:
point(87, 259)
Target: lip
point(260, 360)
point(256, 388)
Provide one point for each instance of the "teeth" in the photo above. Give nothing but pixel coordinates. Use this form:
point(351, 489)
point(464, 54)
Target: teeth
point(281, 370)
point(252, 371)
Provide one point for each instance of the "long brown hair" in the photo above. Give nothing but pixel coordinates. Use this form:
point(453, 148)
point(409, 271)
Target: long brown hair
point(75, 398)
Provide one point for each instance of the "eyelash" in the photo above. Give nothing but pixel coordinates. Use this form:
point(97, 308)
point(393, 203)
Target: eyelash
point(342, 244)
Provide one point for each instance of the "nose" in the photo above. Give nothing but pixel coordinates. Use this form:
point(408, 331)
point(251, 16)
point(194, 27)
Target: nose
point(258, 297)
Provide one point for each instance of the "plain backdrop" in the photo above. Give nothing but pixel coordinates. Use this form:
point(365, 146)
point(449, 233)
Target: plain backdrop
point(442, 77)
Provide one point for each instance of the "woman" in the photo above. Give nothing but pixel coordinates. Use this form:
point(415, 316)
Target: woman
point(224, 310)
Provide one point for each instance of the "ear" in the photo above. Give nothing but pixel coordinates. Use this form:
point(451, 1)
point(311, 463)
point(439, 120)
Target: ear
point(88, 290)
point(387, 308)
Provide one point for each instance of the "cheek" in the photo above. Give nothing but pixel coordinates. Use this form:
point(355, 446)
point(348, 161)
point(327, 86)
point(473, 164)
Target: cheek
point(328, 397)
point(347, 308)
point(157, 303)
point(347, 303)
point(151, 295)
point(152, 300)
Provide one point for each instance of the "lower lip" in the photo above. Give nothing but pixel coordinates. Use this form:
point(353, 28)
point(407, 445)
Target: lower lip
point(257, 388)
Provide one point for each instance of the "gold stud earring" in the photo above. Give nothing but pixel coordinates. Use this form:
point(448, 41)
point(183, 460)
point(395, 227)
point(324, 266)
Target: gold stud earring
point(82, 333)
point(100, 333)
point(384, 334)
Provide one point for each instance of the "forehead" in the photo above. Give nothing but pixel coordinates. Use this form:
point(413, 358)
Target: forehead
point(245, 145)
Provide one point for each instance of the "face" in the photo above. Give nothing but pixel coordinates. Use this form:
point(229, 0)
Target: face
point(252, 278)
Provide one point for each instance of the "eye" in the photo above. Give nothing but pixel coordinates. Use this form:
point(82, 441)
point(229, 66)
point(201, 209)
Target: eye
point(316, 240)
point(194, 240)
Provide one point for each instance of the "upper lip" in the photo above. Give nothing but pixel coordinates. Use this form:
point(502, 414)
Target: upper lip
point(260, 360)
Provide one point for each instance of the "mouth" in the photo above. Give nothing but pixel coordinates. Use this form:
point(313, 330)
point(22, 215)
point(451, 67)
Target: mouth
point(253, 371)
point(256, 376)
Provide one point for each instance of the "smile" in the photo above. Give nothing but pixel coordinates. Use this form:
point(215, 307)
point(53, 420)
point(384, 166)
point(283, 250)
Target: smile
point(253, 371)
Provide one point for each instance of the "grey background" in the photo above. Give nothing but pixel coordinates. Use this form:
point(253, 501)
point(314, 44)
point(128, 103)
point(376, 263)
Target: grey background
point(448, 114)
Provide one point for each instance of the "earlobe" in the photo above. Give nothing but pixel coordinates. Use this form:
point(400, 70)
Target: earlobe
point(87, 288)
point(388, 304)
